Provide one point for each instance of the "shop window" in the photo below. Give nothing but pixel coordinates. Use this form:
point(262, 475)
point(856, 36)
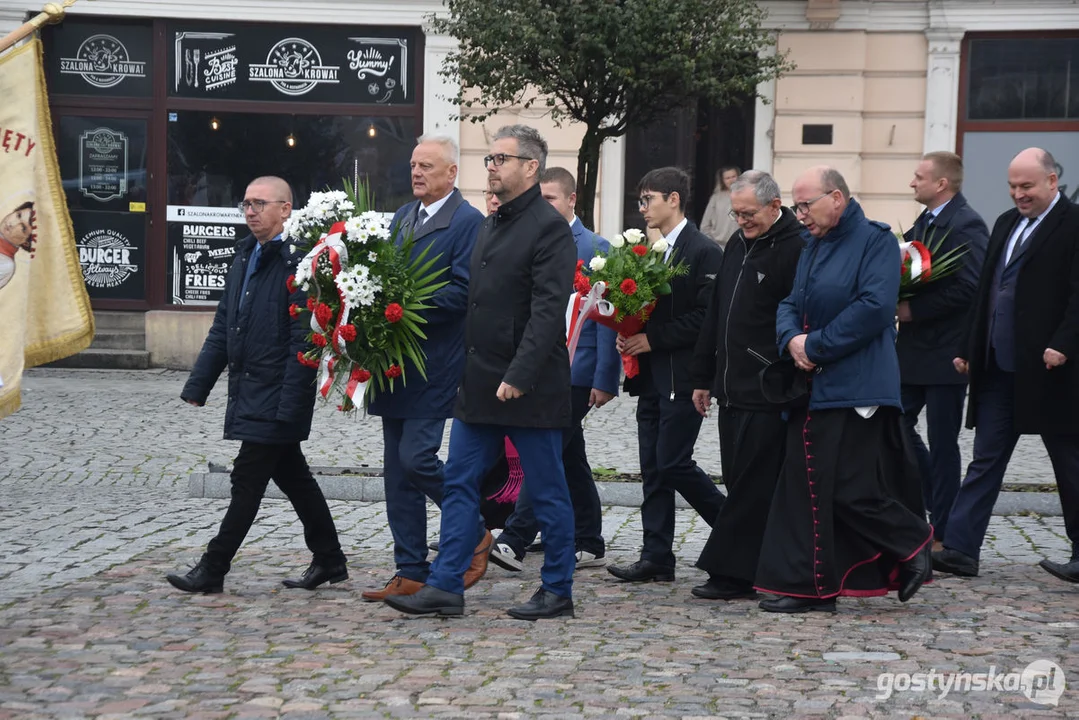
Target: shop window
point(1023, 79)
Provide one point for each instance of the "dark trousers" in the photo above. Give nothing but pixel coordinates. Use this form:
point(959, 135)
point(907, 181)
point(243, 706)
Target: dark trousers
point(752, 445)
point(473, 449)
point(666, 433)
point(521, 527)
point(994, 441)
point(938, 464)
point(412, 473)
point(254, 467)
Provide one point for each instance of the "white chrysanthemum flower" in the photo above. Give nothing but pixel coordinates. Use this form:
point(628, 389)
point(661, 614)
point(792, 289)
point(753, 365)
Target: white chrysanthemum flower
point(353, 228)
point(633, 236)
point(659, 246)
point(617, 241)
point(597, 263)
point(372, 257)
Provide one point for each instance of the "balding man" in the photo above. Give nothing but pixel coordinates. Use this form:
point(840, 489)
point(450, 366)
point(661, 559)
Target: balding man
point(841, 521)
point(1021, 348)
point(271, 396)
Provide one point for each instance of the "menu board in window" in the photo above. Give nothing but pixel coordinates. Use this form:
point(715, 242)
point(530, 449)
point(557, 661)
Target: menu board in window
point(313, 63)
point(201, 248)
point(112, 252)
point(103, 162)
point(98, 58)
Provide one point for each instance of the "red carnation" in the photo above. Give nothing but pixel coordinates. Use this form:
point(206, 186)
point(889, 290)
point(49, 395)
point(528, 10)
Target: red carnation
point(324, 314)
point(581, 284)
point(394, 313)
point(348, 332)
point(628, 286)
point(580, 263)
point(319, 340)
point(311, 303)
point(393, 371)
point(363, 376)
point(294, 310)
point(640, 250)
point(304, 360)
point(290, 283)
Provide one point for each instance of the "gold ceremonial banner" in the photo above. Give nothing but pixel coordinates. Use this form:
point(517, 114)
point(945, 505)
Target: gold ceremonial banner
point(44, 310)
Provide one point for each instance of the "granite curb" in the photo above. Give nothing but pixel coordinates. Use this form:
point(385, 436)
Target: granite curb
point(369, 488)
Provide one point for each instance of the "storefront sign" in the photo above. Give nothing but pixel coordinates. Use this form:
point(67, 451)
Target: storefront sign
point(312, 63)
point(103, 164)
point(111, 252)
point(201, 247)
point(94, 58)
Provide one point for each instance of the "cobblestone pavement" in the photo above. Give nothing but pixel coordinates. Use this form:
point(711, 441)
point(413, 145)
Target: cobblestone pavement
point(93, 514)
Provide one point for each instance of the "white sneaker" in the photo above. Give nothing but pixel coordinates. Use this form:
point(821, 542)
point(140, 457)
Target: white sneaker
point(503, 556)
point(586, 559)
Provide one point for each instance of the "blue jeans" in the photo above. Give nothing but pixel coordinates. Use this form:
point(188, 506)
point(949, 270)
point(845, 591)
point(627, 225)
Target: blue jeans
point(413, 473)
point(473, 448)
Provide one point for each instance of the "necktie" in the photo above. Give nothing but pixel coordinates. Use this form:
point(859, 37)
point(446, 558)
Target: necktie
point(921, 226)
point(1020, 240)
point(667, 253)
point(421, 217)
point(252, 265)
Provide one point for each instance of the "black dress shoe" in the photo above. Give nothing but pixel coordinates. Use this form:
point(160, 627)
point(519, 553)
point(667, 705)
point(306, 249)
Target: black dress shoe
point(914, 572)
point(543, 605)
point(433, 545)
point(1065, 571)
point(316, 574)
point(720, 589)
point(428, 601)
point(199, 579)
point(642, 571)
point(788, 604)
point(955, 563)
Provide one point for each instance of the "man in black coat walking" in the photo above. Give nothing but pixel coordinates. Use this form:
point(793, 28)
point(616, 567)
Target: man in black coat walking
point(932, 325)
point(516, 381)
point(667, 422)
point(737, 341)
point(1022, 345)
point(271, 396)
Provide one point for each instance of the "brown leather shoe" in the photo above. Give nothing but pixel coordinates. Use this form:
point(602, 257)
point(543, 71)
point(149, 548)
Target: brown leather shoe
point(479, 560)
point(396, 586)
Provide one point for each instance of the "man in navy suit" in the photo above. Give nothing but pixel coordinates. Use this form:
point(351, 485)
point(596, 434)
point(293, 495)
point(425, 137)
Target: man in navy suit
point(414, 415)
point(932, 325)
point(594, 380)
point(1021, 352)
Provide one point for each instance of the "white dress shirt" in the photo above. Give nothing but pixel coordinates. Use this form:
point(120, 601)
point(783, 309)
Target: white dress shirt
point(672, 238)
point(433, 208)
point(1024, 229)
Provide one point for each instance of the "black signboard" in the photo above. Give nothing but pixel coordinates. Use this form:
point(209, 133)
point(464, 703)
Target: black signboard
point(96, 58)
point(112, 253)
point(103, 162)
point(201, 248)
point(312, 63)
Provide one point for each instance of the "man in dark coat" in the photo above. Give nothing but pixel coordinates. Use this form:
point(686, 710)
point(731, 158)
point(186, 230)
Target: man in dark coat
point(1021, 350)
point(414, 415)
point(271, 396)
point(736, 342)
point(932, 325)
point(516, 381)
point(667, 422)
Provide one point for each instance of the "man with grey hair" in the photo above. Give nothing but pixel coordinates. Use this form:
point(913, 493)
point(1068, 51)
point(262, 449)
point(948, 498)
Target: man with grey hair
point(516, 381)
point(736, 342)
point(444, 225)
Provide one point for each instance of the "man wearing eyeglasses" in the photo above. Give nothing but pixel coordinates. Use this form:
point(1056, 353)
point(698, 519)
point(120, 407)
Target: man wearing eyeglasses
point(737, 341)
point(516, 381)
point(271, 396)
point(667, 422)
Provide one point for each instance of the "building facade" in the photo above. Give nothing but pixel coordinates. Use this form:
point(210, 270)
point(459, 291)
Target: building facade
point(163, 110)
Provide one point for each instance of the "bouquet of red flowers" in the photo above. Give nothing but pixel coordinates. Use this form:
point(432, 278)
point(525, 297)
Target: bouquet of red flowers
point(619, 289)
point(922, 262)
point(365, 295)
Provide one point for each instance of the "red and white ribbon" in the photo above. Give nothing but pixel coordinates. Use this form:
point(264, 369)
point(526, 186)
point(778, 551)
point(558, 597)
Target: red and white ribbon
point(921, 260)
point(333, 245)
point(355, 387)
point(325, 373)
point(579, 308)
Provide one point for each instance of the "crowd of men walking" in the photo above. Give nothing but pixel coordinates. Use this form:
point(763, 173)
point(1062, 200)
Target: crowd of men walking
point(795, 331)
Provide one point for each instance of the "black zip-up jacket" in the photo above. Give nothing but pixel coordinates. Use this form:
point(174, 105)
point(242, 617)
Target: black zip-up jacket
point(675, 322)
point(739, 334)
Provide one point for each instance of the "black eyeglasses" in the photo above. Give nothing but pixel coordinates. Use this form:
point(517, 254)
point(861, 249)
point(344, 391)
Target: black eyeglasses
point(744, 215)
point(499, 159)
point(802, 208)
point(646, 199)
point(257, 205)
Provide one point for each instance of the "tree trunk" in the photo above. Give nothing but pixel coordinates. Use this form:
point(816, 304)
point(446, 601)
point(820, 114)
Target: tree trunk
point(588, 176)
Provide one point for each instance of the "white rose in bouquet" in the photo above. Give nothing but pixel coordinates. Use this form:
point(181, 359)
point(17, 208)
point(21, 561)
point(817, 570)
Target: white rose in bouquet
point(597, 263)
point(634, 236)
point(659, 246)
point(617, 241)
